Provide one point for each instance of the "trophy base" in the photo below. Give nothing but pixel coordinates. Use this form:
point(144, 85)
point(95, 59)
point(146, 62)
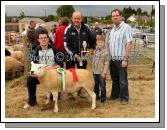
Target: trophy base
point(84, 51)
point(80, 63)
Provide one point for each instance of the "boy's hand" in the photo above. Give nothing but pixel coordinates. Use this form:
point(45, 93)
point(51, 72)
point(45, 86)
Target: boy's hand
point(124, 63)
point(91, 51)
point(103, 75)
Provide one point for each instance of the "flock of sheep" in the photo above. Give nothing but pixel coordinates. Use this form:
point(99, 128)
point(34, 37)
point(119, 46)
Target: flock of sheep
point(14, 60)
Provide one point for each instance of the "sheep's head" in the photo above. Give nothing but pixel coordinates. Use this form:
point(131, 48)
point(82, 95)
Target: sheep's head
point(37, 69)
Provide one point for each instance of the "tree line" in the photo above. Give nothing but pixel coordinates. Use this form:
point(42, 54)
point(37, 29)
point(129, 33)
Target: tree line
point(67, 10)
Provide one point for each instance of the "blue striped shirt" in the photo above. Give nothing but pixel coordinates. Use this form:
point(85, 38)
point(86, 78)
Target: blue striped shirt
point(118, 39)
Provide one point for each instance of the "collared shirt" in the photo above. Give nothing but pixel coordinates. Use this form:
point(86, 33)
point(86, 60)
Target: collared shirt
point(96, 57)
point(100, 61)
point(118, 39)
point(78, 29)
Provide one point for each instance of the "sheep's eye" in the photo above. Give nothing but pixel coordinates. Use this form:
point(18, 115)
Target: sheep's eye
point(39, 68)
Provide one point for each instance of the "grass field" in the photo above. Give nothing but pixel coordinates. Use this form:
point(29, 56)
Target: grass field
point(141, 103)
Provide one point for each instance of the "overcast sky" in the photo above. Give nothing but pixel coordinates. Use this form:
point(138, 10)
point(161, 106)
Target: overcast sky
point(87, 10)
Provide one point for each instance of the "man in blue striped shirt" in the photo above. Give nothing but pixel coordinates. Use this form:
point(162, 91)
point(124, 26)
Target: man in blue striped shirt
point(120, 44)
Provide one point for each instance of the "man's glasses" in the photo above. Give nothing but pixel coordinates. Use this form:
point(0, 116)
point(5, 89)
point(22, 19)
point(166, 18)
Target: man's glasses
point(41, 38)
point(115, 15)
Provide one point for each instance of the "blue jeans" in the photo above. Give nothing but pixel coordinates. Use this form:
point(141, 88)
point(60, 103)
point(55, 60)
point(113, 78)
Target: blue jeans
point(99, 81)
point(119, 81)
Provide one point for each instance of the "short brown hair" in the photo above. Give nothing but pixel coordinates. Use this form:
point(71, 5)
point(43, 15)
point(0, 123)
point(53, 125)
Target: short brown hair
point(100, 37)
point(116, 10)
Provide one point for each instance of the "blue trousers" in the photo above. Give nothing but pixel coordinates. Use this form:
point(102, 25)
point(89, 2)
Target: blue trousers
point(100, 83)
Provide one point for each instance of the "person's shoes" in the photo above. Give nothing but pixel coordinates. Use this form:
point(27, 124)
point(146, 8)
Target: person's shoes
point(123, 102)
point(27, 106)
point(115, 99)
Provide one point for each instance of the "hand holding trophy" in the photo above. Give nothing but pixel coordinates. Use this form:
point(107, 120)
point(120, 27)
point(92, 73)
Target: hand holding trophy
point(83, 52)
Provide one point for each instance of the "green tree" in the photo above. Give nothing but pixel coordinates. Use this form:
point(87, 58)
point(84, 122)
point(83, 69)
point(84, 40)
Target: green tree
point(108, 17)
point(56, 18)
point(145, 13)
point(153, 11)
point(139, 11)
point(65, 10)
point(85, 20)
point(152, 14)
point(127, 12)
point(51, 17)
point(151, 23)
point(44, 18)
point(141, 21)
point(22, 15)
point(133, 11)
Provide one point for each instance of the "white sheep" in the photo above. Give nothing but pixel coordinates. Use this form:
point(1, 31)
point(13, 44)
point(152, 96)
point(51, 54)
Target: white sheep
point(18, 47)
point(18, 55)
point(9, 48)
point(12, 65)
point(50, 80)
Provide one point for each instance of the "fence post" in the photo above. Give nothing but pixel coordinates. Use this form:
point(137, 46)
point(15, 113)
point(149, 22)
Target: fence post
point(26, 57)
